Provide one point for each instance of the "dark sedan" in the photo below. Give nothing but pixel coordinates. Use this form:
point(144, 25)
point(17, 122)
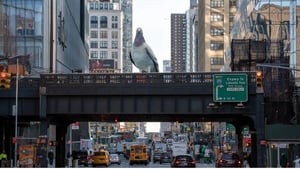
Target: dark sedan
point(185, 161)
point(156, 156)
point(165, 157)
point(229, 160)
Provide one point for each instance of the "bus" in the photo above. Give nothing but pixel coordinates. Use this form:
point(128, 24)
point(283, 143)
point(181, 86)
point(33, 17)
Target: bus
point(138, 154)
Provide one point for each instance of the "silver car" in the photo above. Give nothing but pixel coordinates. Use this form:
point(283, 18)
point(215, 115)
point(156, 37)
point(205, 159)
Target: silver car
point(114, 159)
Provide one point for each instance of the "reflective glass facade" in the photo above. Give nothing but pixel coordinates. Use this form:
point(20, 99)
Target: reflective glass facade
point(21, 33)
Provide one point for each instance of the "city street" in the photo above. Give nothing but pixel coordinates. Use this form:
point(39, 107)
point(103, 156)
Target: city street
point(125, 164)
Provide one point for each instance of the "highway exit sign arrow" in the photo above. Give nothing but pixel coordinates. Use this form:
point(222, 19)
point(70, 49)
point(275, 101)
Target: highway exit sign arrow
point(230, 88)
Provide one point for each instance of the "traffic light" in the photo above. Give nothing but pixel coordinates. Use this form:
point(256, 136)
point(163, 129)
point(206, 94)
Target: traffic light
point(51, 143)
point(273, 146)
point(5, 79)
point(259, 79)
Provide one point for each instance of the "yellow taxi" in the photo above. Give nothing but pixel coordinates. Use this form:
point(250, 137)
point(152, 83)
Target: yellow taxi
point(100, 158)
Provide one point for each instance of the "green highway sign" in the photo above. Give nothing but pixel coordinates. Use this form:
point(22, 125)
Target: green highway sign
point(230, 88)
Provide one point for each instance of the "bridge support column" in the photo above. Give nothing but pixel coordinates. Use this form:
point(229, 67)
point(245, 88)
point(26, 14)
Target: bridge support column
point(43, 129)
point(239, 130)
point(61, 130)
point(43, 146)
point(260, 132)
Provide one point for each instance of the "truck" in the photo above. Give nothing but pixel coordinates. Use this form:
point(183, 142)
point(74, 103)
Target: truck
point(28, 156)
point(179, 148)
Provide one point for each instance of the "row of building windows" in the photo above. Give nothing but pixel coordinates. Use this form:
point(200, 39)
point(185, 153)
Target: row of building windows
point(101, 6)
point(218, 60)
point(103, 44)
point(220, 3)
point(217, 45)
point(216, 17)
point(103, 22)
point(217, 3)
point(216, 31)
point(104, 34)
point(103, 55)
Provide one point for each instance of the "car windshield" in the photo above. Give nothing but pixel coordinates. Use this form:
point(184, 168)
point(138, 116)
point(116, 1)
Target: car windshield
point(114, 155)
point(230, 156)
point(166, 154)
point(157, 154)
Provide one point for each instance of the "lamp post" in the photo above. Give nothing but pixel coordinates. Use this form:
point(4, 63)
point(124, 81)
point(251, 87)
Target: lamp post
point(16, 112)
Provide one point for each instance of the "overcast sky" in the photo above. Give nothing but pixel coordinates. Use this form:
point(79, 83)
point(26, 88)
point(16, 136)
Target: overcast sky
point(153, 16)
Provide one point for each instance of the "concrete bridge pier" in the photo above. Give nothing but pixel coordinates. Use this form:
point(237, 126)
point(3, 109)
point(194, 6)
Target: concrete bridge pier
point(61, 131)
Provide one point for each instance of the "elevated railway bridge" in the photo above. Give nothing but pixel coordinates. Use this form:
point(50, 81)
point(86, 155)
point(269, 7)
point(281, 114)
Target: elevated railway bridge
point(62, 99)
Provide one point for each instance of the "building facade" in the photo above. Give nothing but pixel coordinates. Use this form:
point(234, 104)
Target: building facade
point(106, 35)
point(166, 66)
point(178, 42)
point(28, 27)
point(46, 37)
point(127, 34)
point(215, 23)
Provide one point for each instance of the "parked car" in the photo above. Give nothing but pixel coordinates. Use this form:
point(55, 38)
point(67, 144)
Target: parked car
point(156, 156)
point(165, 157)
point(229, 160)
point(114, 159)
point(186, 161)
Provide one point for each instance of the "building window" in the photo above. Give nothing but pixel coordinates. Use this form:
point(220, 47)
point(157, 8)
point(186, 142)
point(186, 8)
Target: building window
point(103, 22)
point(94, 22)
point(216, 31)
point(114, 44)
point(111, 6)
point(114, 18)
point(114, 25)
point(106, 6)
point(231, 17)
point(103, 44)
point(217, 60)
point(103, 34)
point(114, 34)
point(232, 3)
point(216, 45)
point(94, 44)
point(114, 55)
point(217, 3)
point(92, 5)
point(103, 54)
point(215, 17)
point(94, 34)
point(94, 55)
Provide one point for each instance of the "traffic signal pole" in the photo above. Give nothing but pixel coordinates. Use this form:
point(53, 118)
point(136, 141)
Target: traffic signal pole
point(16, 114)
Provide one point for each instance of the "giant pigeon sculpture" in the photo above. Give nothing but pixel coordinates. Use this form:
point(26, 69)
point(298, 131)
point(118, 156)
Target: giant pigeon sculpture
point(141, 55)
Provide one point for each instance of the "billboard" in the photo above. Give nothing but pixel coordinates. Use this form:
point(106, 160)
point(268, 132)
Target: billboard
point(98, 65)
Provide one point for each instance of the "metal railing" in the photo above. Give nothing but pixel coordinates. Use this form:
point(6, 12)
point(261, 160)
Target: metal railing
point(135, 78)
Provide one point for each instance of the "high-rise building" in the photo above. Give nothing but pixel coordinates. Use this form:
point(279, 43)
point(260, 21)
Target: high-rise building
point(127, 34)
point(166, 66)
point(106, 36)
point(215, 23)
point(178, 42)
point(38, 32)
